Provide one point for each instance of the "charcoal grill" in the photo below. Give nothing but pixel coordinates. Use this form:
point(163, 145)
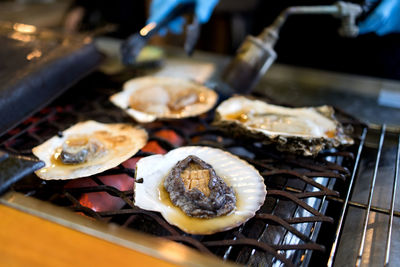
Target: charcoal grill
point(302, 223)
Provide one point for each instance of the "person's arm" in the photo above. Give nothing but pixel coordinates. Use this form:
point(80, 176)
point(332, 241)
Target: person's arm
point(159, 9)
point(383, 20)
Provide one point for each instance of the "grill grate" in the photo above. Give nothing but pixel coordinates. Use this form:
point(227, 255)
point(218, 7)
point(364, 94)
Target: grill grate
point(285, 229)
point(360, 248)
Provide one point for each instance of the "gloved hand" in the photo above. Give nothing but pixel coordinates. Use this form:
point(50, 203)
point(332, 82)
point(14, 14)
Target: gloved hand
point(159, 9)
point(384, 19)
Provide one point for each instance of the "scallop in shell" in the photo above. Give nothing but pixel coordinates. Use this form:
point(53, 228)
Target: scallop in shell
point(149, 98)
point(244, 187)
point(88, 148)
point(306, 130)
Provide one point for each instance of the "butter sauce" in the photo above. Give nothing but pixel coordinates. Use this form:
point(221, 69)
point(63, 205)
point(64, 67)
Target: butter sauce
point(197, 225)
point(108, 141)
point(280, 123)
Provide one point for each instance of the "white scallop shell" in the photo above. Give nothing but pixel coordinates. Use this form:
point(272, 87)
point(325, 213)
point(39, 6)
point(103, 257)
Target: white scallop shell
point(121, 141)
point(245, 180)
point(157, 92)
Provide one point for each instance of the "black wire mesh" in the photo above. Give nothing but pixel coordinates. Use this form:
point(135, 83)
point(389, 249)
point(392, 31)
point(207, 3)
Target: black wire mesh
point(283, 231)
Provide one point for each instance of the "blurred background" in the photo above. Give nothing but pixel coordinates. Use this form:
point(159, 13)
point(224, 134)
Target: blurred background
point(310, 41)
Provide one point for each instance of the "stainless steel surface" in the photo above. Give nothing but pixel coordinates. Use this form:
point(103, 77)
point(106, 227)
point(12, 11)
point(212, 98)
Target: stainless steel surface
point(156, 247)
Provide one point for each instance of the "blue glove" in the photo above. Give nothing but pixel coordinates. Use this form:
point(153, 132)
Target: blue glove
point(159, 9)
point(384, 19)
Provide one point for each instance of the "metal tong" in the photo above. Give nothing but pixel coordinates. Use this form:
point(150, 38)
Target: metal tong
point(131, 48)
point(14, 167)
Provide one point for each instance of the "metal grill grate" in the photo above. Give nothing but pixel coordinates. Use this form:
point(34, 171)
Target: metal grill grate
point(359, 249)
point(286, 228)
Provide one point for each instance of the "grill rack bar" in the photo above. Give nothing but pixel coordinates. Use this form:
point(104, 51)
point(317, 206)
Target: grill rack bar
point(346, 202)
point(371, 193)
point(390, 225)
point(266, 225)
point(317, 226)
point(356, 204)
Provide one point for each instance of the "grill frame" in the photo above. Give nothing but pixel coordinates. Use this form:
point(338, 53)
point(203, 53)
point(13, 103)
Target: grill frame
point(78, 116)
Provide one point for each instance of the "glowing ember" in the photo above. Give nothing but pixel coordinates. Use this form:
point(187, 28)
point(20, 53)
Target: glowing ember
point(153, 147)
point(170, 136)
point(102, 201)
point(131, 163)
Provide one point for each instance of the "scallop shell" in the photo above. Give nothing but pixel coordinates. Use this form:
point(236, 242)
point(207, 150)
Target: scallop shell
point(306, 130)
point(152, 97)
point(245, 180)
point(120, 141)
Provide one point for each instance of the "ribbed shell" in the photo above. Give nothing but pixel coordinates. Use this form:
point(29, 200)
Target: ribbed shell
point(175, 85)
point(121, 141)
point(245, 180)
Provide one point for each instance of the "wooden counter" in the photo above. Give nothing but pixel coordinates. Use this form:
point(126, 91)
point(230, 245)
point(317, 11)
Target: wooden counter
point(38, 233)
point(27, 240)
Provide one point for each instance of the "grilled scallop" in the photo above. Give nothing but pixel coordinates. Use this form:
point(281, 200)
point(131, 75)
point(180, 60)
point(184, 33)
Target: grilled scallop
point(201, 190)
point(304, 131)
point(88, 148)
point(149, 98)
